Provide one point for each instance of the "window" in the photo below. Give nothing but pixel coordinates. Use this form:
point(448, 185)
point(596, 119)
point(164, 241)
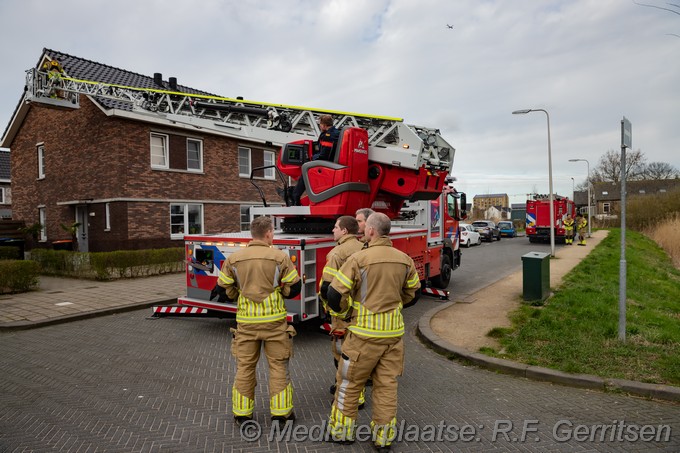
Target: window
point(269, 159)
point(245, 218)
point(107, 217)
point(185, 218)
point(42, 219)
point(159, 151)
point(41, 161)
point(606, 208)
point(2, 195)
point(604, 192)
point(642, 190)
point(244, 162)
point(194, 155)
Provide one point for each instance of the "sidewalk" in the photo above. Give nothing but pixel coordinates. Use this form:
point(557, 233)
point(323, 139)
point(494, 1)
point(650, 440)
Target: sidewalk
point(62, 299)
point(458, 329)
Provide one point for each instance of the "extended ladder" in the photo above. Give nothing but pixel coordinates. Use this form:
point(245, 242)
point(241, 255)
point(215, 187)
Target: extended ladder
point(394, 142)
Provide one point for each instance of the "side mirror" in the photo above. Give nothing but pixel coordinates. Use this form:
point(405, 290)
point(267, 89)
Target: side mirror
point(463, 205)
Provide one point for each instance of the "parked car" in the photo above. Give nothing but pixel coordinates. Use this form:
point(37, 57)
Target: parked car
point(487, 229)
point(507, 229)
point(468, 235)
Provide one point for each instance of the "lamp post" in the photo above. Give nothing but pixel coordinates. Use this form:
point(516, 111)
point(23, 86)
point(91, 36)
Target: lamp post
point(588, 182)
point(572, 189)
point(550, 179)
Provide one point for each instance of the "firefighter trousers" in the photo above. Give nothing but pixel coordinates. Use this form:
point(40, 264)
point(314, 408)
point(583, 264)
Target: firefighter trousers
point(276, 340)
point(382, 359)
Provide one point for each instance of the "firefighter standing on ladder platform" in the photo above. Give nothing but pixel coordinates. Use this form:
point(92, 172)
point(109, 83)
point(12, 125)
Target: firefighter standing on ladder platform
point(260, 277)
point(377, 281)
point(345, 231)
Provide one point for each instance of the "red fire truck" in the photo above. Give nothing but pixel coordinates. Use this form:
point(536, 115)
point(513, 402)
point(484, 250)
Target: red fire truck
point(538, 216)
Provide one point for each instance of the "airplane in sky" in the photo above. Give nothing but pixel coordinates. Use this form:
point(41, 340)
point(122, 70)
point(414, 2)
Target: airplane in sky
point(449, 26)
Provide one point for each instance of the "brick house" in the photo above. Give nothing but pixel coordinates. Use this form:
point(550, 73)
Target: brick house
point(607, 195)
point(5, 188)
point(132, 181)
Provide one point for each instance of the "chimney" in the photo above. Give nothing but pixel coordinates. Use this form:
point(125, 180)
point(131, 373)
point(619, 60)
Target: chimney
point(158, 79)
point(173, 83)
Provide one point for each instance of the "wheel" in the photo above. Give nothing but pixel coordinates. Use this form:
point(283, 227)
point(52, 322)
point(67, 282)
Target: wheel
point(442, 280)
point(467, 244)
point(499, 237)
point(479, 241)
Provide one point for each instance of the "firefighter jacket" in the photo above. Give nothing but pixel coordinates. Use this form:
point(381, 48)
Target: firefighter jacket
point(582, 224)
point(260, 277)
point(569, 224)
point(327, 141)
point(347, 245)
point(377, 281)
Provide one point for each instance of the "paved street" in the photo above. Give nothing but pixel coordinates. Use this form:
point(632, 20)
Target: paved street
point(126, 383)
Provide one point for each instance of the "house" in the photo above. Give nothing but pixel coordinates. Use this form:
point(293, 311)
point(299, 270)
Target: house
point(607, 195)
point(494, 199)
point(5, 187)
point(130, 180)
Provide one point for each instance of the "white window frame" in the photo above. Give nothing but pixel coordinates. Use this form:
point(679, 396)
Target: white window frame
point(2, 195)
point(269, 173)
point(249, 163)
point(186, 226)
point(107, 217)
point(245, 210)
point(200, 154)
point(606, 208)
point(41, 161)
point(165, 150)
point(42, 219)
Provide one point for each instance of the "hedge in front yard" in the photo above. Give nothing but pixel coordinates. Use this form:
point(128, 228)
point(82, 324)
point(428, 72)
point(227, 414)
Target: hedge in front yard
point(8, 252)
point(18, 275)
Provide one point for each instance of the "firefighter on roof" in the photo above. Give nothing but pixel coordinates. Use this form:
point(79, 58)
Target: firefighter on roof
point(345, 231)
point(377, 281)
point(260, 276)
point(582, 223)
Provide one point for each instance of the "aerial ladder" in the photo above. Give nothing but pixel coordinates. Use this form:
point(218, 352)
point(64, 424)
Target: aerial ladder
point(380, 161)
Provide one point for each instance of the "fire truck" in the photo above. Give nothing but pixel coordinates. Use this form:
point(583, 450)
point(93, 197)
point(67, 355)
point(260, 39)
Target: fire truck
point(538, 216)
point(378, 162)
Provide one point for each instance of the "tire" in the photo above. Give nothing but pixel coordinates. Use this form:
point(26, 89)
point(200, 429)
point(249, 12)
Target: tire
point(442, 280)
point(479, 241)
point(499, 238)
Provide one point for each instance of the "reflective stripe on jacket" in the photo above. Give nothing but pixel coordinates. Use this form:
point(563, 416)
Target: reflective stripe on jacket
point(260, 277)
point(347, 246)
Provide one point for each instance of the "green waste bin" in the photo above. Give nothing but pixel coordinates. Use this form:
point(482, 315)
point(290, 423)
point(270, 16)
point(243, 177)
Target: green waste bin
point(536, 275)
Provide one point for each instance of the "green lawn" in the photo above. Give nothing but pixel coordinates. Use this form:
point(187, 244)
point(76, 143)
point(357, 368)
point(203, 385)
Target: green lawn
point(576, 331)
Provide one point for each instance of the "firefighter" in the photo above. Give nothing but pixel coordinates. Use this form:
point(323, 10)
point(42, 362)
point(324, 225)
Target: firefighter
point(377, 281)
point(325, 147)
point(361, 216)
point(54, 77)
point(569, 230)
point(260, 276)
point(581, 224)
point(345, 234)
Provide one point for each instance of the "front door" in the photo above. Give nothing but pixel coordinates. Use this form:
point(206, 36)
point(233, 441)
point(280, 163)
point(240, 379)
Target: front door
point(82, 218)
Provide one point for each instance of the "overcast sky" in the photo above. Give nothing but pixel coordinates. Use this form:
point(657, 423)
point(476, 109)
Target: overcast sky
point(588, 63)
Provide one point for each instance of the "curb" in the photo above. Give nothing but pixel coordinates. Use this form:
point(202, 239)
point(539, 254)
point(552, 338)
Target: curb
point(26, 325)
point(587, 381)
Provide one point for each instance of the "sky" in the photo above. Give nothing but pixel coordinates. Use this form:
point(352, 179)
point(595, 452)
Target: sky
point(588, 63)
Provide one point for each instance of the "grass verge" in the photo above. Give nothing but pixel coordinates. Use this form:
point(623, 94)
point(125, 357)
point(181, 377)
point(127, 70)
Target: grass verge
point(576, 331)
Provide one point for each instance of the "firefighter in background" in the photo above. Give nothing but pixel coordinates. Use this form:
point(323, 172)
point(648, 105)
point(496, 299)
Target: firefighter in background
point(55, 74)
point(581, 224)
point(361, 216)
point(328, 138)
point(377, 281)
point(345, 234)
point(569, 230)
point(260, 277)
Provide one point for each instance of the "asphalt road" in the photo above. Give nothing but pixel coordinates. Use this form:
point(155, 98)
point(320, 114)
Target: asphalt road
point(126, 383)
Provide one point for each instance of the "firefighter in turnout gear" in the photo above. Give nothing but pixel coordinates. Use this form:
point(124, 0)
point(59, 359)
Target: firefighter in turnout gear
point(260, 277)
point(377, 281)
point(582, 223)
point(345, 231)
point(569, 230)
point(361, 216)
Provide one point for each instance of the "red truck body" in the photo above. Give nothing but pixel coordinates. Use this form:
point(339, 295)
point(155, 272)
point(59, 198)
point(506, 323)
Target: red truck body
point(538, 217)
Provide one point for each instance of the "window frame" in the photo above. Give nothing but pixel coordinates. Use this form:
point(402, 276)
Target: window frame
point(107, 216)
point(41, 161)
point(42, 220)
point(2, 195)
point(166, 150)
point(606, 208)
point(269, 173)
point(200, 154)
point(250, 161)
point(186, 225)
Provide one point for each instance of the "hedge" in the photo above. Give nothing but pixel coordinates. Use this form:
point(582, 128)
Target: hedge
point(18, 275)
point(9, 252)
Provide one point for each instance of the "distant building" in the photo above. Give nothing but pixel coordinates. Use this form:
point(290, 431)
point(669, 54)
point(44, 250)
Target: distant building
point(607, 195)
point(518, 212)
point(5, 190)
point(484, 202)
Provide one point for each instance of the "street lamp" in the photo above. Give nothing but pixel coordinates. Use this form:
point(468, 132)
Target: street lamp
point(550, 179)
point(572, 189)
point(588, 181)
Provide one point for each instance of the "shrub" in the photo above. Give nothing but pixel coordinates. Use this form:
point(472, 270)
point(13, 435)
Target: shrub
point(18, 275)
point(647, 211)
point(62, 262)
point(10, 253)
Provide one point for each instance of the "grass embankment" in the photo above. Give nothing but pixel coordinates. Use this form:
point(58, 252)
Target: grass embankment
point(577, 330)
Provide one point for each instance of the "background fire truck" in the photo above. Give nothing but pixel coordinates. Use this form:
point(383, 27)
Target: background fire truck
point(538, 217)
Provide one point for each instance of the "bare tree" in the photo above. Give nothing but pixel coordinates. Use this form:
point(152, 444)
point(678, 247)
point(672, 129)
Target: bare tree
point(609, 167)
point(661, 170)
point(675, 9)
